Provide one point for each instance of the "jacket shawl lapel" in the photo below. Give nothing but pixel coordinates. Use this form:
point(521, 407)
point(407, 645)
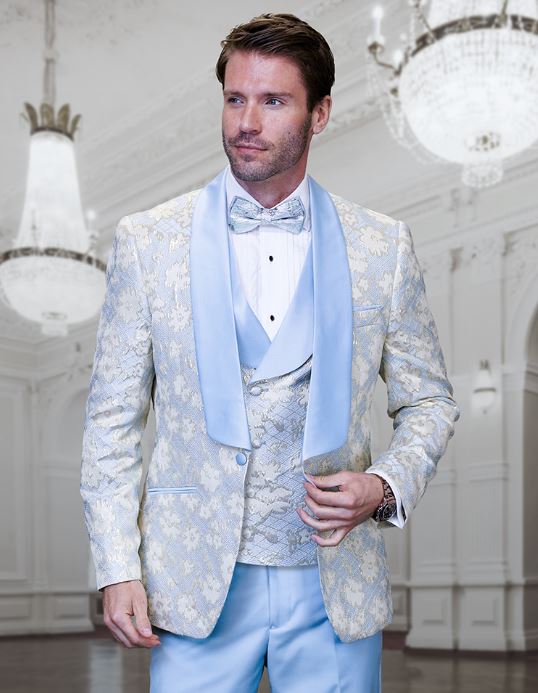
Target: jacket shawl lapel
point(318, 323)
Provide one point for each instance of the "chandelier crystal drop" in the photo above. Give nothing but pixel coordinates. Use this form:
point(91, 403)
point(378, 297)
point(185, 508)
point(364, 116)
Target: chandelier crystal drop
point(464, 88)
point(51, 275)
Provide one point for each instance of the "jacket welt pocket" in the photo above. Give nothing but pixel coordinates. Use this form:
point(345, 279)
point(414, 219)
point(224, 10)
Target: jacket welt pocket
point(366, 315)
point(171, 489)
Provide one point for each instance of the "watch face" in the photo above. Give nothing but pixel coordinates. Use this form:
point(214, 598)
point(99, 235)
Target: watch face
point(386, 512)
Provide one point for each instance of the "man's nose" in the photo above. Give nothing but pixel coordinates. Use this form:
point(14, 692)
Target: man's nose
point(250, 119)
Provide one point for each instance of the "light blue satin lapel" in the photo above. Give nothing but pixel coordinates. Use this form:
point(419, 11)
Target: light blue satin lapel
point(217, 355)
point(217, 351)
point(292, 344)
point(329, 402)
point(252, 340)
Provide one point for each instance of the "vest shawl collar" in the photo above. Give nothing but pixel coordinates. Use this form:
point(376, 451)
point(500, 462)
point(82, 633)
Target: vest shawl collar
point(292, 344)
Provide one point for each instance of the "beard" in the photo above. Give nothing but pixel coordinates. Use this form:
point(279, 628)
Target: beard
point(283, 154)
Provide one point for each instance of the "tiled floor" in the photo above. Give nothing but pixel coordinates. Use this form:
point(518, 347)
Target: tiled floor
point(98, 664)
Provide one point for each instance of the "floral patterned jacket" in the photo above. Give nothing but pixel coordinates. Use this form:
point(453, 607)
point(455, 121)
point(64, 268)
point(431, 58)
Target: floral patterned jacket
point(181, 537)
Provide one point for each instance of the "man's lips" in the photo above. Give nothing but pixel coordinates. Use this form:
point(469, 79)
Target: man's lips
point(250, 147)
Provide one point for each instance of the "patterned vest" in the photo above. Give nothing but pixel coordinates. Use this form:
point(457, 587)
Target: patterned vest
point(273, 533)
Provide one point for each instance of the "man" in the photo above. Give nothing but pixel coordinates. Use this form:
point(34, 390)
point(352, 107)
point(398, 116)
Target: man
point(257, 314)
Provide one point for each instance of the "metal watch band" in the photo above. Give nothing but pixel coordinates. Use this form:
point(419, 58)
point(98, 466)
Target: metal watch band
point(387, 508)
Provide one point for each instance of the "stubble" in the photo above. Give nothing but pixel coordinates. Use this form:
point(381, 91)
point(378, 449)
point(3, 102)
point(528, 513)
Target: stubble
point(284, 154)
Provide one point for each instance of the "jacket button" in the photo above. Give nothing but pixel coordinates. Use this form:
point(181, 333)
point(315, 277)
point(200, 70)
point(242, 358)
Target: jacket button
point(241, 458)
point(255, 390)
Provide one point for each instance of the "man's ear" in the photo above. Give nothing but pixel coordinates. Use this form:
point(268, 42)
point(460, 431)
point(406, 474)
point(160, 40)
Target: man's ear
point(320, 114)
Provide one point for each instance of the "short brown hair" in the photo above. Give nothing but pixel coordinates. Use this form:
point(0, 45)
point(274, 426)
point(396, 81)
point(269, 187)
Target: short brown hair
point(284, 34)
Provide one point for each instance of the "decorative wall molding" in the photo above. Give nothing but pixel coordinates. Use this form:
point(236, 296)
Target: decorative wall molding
point(461, 205)
point(461, 582)
point(445, 476)
point(14, 490)
point(531, 380)
point(437, 267)
point(434, 573)
point(484, 573)
point(11, 323)
point(420, 198)
point(98, 18)
point(46, 613)
point(491, 254)
point(521, 255)
point(485, 471)
point(400, 608)
point(58, 389)
point(484, 255)
point(432, 614)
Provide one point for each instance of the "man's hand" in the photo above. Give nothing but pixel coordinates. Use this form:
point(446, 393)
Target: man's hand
point(121, 601)
point(358, 496)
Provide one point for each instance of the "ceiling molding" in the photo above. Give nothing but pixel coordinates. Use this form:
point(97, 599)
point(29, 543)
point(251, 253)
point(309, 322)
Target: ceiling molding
point(161, 135)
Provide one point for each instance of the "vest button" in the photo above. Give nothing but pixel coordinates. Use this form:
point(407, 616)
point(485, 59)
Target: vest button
point(241, 458)
point(255, 390)
point(257, 443)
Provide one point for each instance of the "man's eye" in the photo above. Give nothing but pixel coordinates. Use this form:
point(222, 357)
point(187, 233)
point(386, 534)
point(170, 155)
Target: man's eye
point(233, 99)
point(274, 102)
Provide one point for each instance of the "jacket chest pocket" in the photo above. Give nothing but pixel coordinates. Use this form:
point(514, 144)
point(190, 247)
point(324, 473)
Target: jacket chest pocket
point(367, 314)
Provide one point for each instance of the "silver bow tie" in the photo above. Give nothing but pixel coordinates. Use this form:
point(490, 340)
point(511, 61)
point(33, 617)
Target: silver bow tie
point(245, 215)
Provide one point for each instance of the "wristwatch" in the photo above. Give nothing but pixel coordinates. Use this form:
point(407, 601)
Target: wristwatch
point(387, 508)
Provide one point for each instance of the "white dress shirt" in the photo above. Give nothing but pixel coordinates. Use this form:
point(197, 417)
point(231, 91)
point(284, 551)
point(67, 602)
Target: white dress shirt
point(270, 260)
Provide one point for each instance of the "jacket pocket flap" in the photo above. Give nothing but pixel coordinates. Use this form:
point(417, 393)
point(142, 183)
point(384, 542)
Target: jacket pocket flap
point(172, 489)
point(366, 314)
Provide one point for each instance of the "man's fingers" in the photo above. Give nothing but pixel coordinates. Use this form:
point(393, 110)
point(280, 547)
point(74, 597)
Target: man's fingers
point(128, 635)
point(320, 525)
point(124, 623)
point(328, 512)
point(331, 498)
point(334, 539)
point(340, 509)
point(121, 603)
point(140, 609)
point(116, 632)
point(330, 480)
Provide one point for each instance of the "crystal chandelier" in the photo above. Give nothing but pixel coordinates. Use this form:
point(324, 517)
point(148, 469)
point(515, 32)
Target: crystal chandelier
point(464, 87)
point(51, 275)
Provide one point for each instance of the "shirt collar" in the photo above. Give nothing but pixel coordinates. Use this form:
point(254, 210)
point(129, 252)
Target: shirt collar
point(235, 189)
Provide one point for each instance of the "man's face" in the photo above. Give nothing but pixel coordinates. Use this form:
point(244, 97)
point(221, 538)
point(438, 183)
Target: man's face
point(266, 125)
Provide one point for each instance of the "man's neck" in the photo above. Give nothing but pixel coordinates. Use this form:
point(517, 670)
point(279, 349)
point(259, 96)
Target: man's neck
point(273, 190)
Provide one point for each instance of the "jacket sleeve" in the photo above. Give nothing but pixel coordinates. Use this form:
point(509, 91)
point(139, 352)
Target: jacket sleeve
point(420, 400)
point(116, 415)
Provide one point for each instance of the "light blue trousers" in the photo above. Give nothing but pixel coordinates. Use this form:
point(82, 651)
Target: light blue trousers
point(273, 616)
